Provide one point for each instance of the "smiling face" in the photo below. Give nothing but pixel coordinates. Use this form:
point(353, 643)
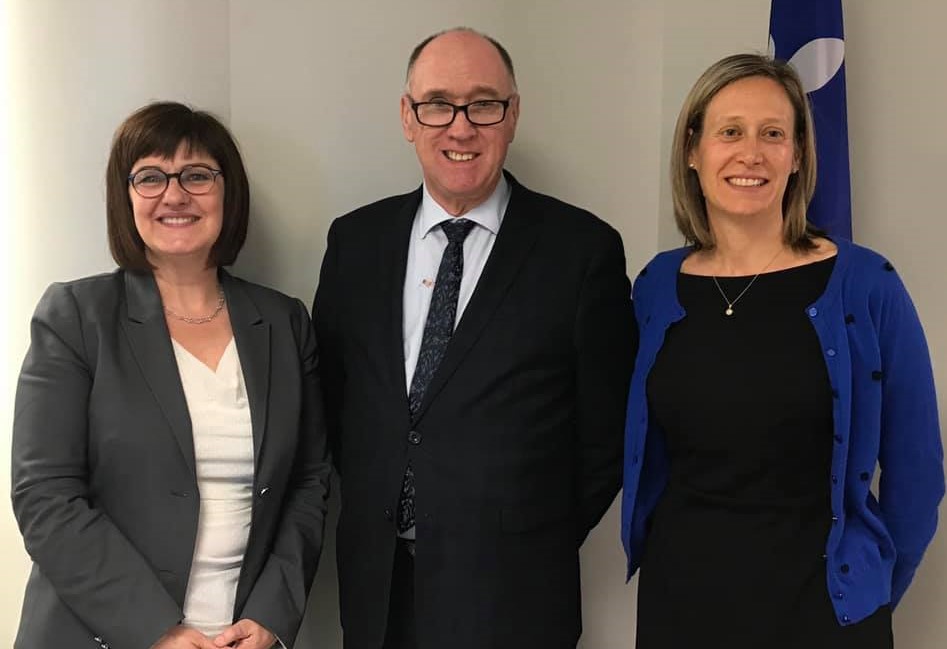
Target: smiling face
point(462, 163)
point(177, 225)
point(746, 150)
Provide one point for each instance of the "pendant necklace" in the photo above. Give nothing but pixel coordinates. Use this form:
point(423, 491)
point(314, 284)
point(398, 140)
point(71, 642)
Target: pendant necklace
point(729, 310)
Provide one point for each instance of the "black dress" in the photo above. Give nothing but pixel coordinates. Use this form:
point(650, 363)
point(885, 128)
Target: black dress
point(734, 555)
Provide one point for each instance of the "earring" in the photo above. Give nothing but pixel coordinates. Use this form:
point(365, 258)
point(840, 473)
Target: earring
point(691, 165)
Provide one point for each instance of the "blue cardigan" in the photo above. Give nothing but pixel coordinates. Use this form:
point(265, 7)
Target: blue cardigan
point(884, 411)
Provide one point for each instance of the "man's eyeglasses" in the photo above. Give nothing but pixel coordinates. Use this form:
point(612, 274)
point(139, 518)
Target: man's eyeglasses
point(485, 112)
point(194, 179)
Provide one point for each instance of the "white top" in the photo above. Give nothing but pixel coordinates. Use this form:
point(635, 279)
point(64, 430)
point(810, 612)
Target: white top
point(425, 250)
point(223, 450)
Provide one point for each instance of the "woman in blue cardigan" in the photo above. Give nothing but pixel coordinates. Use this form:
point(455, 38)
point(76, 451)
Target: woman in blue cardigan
point(777, 368)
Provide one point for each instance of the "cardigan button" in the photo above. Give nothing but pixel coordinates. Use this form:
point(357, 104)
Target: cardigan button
point(846, 619)
point(830, 352)
point(414, 438)
point(835, 479)
point(864, 476)
point(838, 439)
point(845, 569)
point(813, 312)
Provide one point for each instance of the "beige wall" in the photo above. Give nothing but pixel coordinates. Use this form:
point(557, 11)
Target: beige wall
point(75, 70)
point(896, 98)
point(311, 90)
point(695, 35)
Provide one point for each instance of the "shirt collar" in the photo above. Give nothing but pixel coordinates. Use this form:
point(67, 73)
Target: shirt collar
point(489, 214)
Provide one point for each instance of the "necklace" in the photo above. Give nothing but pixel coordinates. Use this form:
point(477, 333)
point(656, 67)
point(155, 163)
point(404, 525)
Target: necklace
point(201, 319)
point(729, 310)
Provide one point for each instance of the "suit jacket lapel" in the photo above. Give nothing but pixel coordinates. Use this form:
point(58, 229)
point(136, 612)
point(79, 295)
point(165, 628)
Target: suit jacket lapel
point(393, 242)
point(252, 336)
point(150, 343)
point(513, 244)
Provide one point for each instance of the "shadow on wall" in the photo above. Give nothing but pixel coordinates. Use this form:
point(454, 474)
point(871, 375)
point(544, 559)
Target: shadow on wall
point(321, 628)
point(284, 244)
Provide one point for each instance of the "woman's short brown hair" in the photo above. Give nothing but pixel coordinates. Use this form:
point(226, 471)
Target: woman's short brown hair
point(690, 210)
point(159, 129)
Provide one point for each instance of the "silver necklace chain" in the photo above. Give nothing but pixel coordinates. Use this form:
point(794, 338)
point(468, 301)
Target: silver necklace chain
point(729, 310)
point(202, 319)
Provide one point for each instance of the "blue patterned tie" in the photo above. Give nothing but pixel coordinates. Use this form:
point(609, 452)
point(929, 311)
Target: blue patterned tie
point(438, 329)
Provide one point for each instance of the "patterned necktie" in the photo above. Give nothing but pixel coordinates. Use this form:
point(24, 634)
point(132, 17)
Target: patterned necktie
point(438, 329)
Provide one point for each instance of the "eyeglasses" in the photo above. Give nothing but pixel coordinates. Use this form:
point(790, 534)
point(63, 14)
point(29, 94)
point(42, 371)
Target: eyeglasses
point(194, 179)
point(485, 112)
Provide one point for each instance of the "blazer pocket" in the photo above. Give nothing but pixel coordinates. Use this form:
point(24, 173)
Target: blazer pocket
point(531, 516)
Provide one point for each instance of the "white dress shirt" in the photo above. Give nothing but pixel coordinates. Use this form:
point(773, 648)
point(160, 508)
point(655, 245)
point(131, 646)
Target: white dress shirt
point(424, 256)
point(223, 451)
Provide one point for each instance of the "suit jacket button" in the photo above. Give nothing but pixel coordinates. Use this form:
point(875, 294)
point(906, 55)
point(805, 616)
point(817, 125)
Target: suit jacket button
point(414, 437)
point(388, 515)
point(263, 491)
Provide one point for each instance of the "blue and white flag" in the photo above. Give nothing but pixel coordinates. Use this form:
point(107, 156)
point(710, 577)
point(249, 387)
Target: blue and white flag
point(809, 34)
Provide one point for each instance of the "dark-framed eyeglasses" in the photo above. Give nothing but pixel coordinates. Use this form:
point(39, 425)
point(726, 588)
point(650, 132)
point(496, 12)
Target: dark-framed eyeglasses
point(484, 112)
point(151, 182)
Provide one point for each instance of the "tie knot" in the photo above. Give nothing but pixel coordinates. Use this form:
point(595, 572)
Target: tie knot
point(457, 229)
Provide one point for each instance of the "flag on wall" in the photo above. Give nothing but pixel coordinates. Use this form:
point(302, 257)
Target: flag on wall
point(809, 34)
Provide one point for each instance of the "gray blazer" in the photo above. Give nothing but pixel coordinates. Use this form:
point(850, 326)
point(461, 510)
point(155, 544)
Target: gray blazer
point(104, 483)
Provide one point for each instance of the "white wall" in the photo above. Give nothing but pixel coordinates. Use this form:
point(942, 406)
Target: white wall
point(896, 98)
point(695, 35)
point(76, 69)
point(311, 91)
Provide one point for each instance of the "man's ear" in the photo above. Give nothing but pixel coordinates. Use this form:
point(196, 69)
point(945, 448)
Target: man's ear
point(408, 123)
point(513, 114)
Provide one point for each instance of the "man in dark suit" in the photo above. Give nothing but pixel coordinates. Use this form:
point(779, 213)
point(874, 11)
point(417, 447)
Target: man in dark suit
point(477, 342)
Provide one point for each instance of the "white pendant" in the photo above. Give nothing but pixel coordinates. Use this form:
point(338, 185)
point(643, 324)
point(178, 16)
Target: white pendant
point(729, 311)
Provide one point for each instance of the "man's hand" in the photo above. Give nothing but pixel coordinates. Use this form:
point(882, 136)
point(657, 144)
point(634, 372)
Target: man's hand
point(182, 637)
point(245, 634)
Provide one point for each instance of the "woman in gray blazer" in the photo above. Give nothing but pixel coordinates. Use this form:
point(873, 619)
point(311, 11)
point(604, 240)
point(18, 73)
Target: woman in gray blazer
point(169, 458)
